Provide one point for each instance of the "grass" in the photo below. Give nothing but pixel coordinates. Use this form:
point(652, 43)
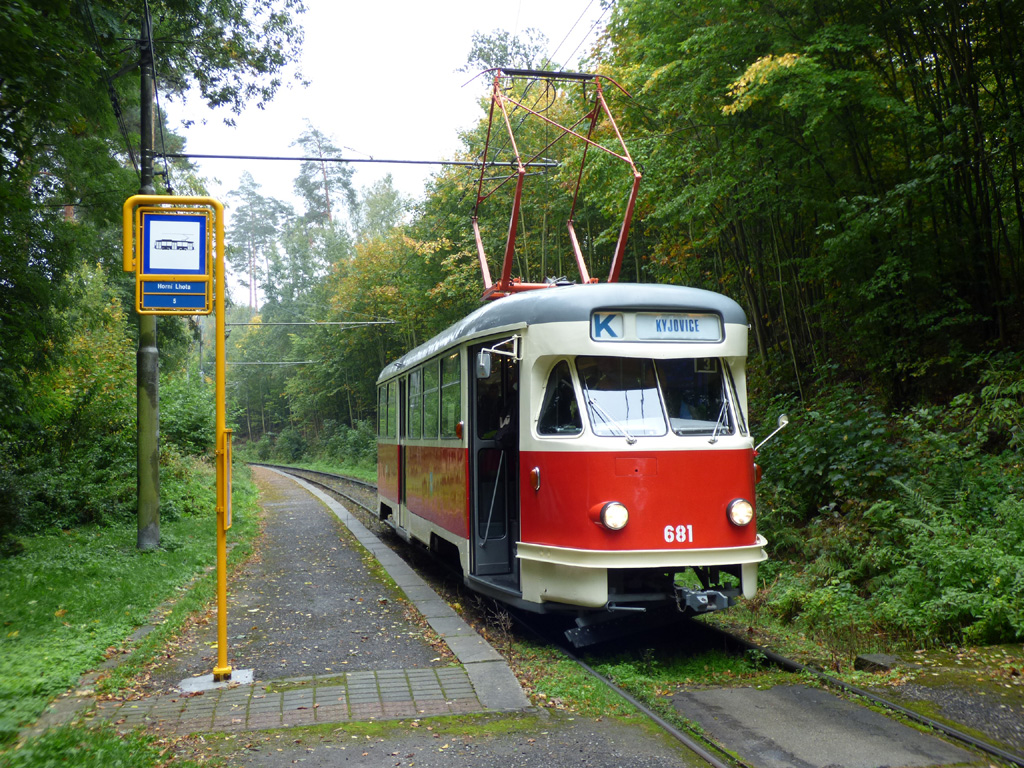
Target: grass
point(360, 470)
point(73, 597)
point(96, 747)
point(554, 681)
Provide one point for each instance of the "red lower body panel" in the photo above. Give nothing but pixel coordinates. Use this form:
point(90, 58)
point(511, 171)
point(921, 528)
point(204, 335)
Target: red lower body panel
point(436, 486)
point(387, 472)
point(676, 500)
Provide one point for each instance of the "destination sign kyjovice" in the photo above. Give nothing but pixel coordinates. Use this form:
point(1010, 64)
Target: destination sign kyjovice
point(655, 326)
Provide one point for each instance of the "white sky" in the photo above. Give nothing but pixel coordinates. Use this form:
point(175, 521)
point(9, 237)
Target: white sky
point(383, 84)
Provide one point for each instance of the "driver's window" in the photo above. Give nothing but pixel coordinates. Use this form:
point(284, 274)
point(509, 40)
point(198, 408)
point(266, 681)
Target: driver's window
point(695, 395)
point(560, 411)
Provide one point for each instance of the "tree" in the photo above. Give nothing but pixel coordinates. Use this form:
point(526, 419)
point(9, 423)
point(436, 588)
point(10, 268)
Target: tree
point(845, 168)
point(325, 187)
point(501, 48)
point(255, 226)
point(381, 209)
point(67, 153)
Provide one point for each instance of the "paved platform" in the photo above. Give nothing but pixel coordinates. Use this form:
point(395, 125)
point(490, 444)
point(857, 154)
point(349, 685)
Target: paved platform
point(388, 694)
point(327, 615)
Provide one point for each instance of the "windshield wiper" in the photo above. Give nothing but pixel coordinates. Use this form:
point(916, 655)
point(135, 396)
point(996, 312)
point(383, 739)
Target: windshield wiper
point(605, 415)
point(722, 414)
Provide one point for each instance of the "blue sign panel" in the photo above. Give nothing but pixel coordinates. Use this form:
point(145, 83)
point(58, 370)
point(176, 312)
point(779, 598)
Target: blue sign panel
point(174, 301)
point(174, 244)
point(174, 286)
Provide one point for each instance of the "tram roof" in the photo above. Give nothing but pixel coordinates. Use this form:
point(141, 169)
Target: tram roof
point(571, 303)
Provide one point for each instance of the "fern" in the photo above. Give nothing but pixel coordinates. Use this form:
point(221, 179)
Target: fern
point(919, 499)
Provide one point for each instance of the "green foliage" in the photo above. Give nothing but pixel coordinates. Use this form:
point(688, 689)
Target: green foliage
point(290, 445)
point(91, 747)
point(348, 445)
point(810, 159)
point(928, 553)
point(69, 461)
point(836, 454)
point(72, 594)
point(256, 221)
point(187, 413)
point(502, 49)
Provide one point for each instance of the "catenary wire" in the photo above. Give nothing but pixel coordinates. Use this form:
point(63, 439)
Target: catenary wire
point(551, 57)
point(592, 28)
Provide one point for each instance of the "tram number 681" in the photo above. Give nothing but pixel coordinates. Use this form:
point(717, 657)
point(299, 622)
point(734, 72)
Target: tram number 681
point(678, 533)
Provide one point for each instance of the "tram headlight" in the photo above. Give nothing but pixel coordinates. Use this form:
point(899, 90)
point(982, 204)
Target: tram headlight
point(740, 512)
point(614, 516)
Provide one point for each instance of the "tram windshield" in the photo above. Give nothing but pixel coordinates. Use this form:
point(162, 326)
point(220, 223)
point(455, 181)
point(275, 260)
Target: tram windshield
point(695, 396)
point(621, 395)
point(631, 397)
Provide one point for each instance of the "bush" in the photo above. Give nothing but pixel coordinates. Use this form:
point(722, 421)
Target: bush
point(264, 448)
point(290, 445)
point(355, 446)
point(188, 413)
point(836, 455)
point(906, 526)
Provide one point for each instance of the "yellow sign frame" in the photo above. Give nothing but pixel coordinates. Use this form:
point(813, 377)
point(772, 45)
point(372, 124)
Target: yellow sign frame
point(144, 278)
point(132, 215)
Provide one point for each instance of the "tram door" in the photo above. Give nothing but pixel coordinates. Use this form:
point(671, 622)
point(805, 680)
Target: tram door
point(402, 512)
point(494, 466)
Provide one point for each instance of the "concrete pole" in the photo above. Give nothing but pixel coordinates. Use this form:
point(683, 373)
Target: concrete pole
point(147, 368)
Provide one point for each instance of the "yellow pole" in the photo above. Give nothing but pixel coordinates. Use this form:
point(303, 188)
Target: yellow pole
point(223, 670)
point(131, 262)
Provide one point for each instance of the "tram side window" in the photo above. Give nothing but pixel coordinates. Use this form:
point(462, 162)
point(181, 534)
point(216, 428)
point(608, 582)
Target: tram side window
point(695, 395)
point(393, 408)
point(387, 413)
point(431, 401)
point(416, 404)
point(451, 395)
point(560, 411)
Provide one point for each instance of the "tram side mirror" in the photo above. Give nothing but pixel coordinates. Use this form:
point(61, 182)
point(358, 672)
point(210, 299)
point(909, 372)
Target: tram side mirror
point(783, 421)
point(483, 364)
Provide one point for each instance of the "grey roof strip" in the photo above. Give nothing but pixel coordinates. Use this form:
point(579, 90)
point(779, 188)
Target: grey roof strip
point(570, 303)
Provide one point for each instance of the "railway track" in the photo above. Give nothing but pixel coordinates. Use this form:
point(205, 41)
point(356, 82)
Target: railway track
point(362, 495)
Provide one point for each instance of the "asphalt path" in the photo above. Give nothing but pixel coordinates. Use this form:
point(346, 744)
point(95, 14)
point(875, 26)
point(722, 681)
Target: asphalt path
point(308, 602)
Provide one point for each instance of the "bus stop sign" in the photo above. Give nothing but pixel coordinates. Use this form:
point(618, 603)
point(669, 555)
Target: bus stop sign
point(173, 262)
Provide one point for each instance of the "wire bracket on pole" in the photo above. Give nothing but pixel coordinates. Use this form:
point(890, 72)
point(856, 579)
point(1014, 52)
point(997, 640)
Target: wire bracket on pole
point(503, 104)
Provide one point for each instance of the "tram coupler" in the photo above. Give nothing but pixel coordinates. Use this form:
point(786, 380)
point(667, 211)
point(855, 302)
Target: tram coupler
point(702, 600)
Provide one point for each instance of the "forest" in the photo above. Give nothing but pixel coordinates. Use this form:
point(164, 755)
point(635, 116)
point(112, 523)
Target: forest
point(850, 172)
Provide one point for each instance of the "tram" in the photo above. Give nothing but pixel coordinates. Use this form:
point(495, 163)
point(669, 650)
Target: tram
point(578, 448)
point(582, 449)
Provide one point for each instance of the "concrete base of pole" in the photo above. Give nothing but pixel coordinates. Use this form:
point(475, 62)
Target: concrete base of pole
point(209, 683)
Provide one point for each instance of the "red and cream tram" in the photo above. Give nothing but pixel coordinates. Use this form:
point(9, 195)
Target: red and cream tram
point(581, 448)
